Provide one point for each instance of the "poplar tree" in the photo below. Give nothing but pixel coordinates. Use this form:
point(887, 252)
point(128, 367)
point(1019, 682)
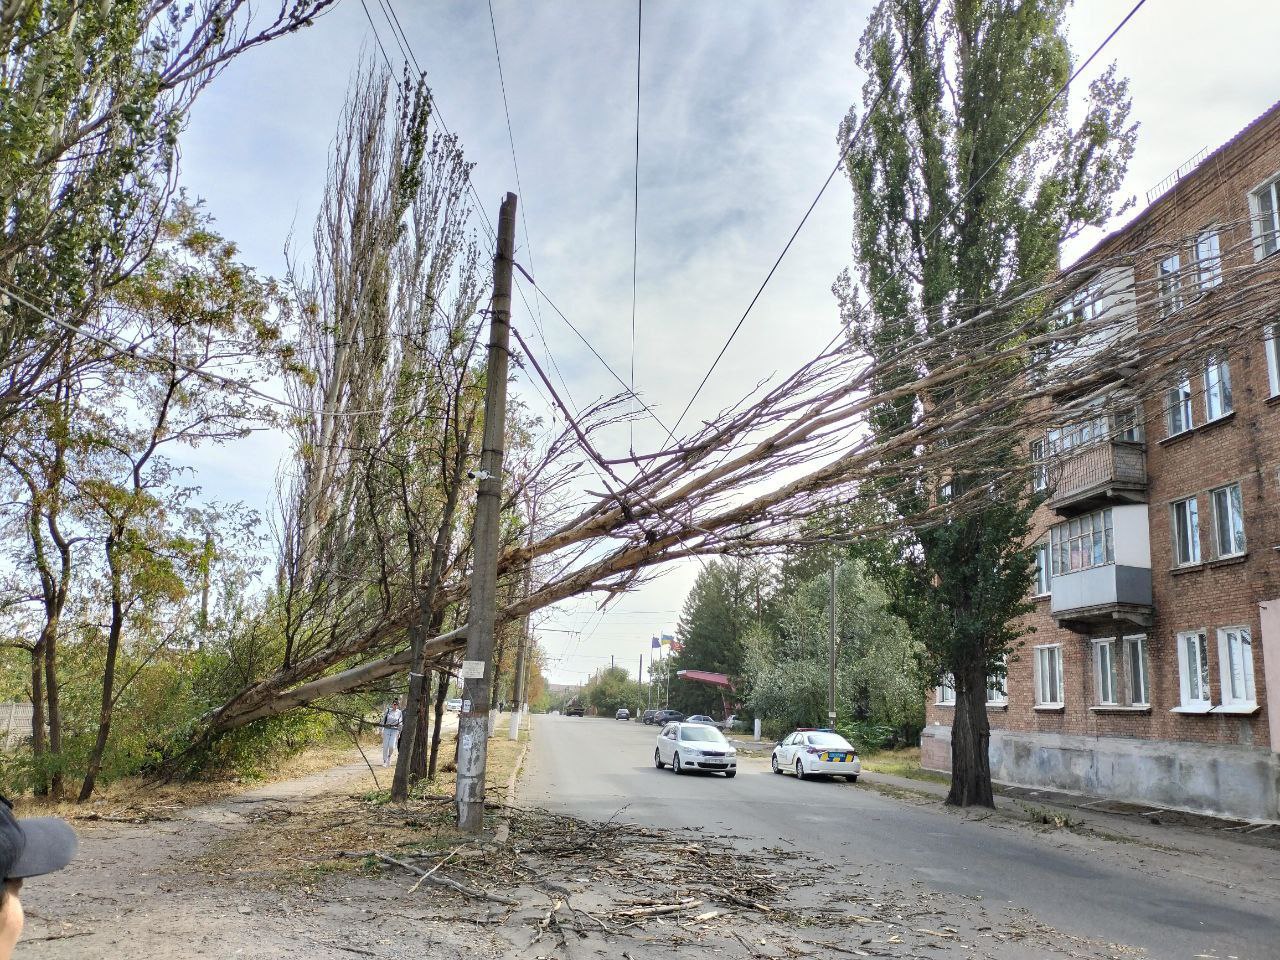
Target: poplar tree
point(967, 177)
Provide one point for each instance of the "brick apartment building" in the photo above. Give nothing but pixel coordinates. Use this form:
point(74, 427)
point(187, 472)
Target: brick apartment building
point(1153, 674)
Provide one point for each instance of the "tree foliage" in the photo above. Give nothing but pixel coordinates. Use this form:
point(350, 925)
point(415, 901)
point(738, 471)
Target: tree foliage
point(965, 186)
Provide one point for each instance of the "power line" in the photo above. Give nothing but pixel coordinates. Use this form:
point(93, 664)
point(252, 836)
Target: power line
point(844, 154)
point(560, 313)
point(635, 206)
point(536, 317)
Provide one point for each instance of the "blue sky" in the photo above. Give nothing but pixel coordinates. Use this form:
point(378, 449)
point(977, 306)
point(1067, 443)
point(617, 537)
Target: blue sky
point(740, 103)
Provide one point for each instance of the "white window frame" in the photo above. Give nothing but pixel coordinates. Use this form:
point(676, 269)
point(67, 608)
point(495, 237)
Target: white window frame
point(998, 690)
point(1044, 579)
point(1193, 671)
point(1235, 649)
point(1233, 506)
point(1271, 344)
point(1048, 657)
point(946, 692)
point(1217, 390)
point(1265, 223)
point(1039, 465)
point(1191, 507)
point(1092, 532)
point(1169, 280)
point(1135, 652)
point(1179, 410)
point(1208, 254)
point(1106, 675)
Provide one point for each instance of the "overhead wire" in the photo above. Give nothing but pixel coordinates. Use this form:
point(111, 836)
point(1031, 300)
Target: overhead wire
point(635, 205)
point(1013, 144)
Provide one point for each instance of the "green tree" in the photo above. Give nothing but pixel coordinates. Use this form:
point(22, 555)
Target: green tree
point(610, 690)
point(728, 596)
point(879, 683)
point(965, 186)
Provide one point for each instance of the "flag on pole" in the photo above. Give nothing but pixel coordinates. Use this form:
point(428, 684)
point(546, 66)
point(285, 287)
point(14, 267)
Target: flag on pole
point(666, 639)
point(656, 644)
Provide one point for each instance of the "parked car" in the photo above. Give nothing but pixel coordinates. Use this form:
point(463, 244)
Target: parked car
point(663, 717)
point(695, 746)
point(647, 717)
point(453, 705)
point(575, 710)
point(622, 714)
point(729, 722)
point(701, 718)
point(816, 753)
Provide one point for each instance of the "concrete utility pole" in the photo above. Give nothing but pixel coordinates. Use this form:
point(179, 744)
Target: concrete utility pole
point(831, 671)
point(473, 720)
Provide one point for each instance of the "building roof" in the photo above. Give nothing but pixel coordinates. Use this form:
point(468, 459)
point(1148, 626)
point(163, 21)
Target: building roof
point(1268, 115)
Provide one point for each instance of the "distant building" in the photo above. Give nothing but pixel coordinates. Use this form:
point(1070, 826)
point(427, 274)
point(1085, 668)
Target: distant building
point(1153, 673)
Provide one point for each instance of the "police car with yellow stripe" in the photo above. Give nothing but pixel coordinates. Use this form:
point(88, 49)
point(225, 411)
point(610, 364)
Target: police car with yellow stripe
point(816, 753)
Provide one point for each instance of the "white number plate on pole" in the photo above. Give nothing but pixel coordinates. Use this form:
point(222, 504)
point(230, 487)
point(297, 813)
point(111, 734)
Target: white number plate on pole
point(472, 669)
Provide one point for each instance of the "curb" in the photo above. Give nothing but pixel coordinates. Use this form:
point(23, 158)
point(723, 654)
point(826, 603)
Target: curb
point(503, 830)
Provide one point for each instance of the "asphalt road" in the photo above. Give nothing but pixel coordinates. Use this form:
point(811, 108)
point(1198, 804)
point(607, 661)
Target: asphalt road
point(1097, 889)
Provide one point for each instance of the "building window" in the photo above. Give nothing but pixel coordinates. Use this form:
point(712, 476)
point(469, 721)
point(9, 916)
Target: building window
point(1217, 389)
point(1042, 570)
point(1049, 676)
point(947, 691)
point(1135, 656)
point(1186, 532)
point(1265, 207)
point(1081, 543)
point(997, 694)
point(1039, 468)
point(1169, 272)
point(1193, 670)
point(1128, 424)
point(1104, 672)
point(1235, 656)
point(1228, 521)
point(1120, 671)
point(1208, 259)
point(1273, 358)
point(1177, 405)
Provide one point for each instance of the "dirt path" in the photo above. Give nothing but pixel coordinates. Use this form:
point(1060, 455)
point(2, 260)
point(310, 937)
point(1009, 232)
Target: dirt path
point(158, 890)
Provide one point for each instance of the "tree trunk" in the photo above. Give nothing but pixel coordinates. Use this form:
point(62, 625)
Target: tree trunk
point(421, 739)
point(108, 678)
point(38, 749)
point(442, 694)
point(971, 741)
point(55, 711)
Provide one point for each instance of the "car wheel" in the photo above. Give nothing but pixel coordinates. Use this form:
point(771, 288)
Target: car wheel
point(730, 774)
point(773, 761)
point(675, 765)
point(657, 759)
point(852, 778)
point(799, 770)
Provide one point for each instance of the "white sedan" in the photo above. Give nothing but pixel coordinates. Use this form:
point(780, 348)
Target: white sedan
point(817, 753)
point(695, 746)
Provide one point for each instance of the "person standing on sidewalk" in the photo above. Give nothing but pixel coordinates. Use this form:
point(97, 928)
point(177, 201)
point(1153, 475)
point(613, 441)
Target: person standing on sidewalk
point(392, 720)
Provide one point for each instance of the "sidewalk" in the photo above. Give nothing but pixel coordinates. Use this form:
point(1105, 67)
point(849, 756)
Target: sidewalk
point(1158, 827)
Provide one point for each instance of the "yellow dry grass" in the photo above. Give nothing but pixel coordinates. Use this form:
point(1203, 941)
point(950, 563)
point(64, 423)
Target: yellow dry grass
point(315, 836)
point(135, 798)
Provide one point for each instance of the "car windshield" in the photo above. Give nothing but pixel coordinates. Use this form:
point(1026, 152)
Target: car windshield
point(702, 734)
point(831, 740)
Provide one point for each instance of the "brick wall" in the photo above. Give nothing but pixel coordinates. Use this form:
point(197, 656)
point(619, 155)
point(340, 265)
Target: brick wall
point(1243, 447)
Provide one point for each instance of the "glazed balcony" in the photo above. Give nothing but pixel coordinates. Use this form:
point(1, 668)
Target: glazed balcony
point(1100, 597)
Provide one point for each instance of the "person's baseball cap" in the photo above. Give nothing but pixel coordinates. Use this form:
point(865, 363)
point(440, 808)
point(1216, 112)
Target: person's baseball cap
point(33, 846)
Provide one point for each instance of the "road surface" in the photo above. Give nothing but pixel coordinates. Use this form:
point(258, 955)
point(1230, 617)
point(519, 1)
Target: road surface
point(1221, 899)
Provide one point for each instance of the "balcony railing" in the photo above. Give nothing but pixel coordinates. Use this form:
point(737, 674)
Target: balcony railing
point(1111, 472)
